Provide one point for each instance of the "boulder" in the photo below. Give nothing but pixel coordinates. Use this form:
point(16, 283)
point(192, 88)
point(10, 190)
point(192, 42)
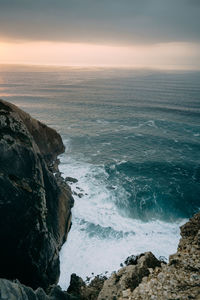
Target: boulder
point(71, 179)
point(35, 205)
point(128, 278)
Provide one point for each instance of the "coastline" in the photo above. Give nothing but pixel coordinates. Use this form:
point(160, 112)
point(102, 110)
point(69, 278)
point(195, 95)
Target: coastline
point(179, 279)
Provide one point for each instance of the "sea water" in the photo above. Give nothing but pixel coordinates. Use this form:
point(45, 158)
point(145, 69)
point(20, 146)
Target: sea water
point(132, 140)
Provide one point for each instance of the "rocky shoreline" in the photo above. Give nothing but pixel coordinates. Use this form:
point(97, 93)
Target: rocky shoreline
point(35, 217)
point(145, 277)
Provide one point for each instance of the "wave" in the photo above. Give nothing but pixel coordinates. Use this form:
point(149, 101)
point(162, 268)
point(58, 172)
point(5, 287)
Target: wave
point(101, 232)
point(156, 190)
point(104, 232)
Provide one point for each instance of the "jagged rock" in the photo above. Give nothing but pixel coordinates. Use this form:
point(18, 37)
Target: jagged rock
point(92, 290)
point(76, 285)
point(132, 260)
point(71, 179)
point(16, 291)
point(128, 278)
point(82, 291)
point(57, 294)
point(35, 206)
point(180, 278)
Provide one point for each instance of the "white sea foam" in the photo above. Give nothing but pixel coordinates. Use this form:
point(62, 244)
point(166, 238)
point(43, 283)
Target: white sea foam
point(87, 251)
point(150, 123)
point(102, 122)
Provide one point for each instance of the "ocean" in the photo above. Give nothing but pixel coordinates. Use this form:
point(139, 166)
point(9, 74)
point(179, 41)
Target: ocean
point(132, 140)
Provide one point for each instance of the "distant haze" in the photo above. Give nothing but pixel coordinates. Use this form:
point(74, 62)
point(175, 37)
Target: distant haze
point(86, 32)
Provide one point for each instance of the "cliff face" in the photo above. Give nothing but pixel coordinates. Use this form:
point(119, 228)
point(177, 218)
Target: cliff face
point(47, 139)
point(35, 205)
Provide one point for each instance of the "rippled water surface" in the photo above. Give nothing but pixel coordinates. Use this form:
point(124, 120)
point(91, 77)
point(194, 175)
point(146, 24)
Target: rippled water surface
point(132, 140)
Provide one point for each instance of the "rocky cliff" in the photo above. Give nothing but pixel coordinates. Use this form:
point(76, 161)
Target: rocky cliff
point(35, 205)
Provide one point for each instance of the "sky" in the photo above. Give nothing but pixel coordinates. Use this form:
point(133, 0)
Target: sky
point(141, 33)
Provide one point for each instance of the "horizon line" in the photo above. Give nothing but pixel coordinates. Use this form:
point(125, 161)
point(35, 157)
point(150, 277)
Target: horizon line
point(150, 67)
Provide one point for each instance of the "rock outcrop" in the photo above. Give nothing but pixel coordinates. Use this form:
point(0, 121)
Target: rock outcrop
point(35, 205)
point(129, 277)
point(78, 288)
point(16, 291)
point(180, 279)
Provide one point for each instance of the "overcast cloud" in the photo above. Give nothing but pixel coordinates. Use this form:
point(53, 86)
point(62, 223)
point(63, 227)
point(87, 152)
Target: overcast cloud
point(101, 21)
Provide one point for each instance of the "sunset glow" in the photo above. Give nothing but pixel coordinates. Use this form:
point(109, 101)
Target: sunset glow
point(166, 55)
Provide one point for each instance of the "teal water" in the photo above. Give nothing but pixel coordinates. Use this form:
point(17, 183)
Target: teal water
point(132, 139)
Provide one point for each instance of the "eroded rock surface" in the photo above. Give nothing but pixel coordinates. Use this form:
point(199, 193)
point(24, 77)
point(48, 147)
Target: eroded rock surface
point(16, 291)
point(128, 278)
point(35, 205)
point(83, 291)
point(180, 279)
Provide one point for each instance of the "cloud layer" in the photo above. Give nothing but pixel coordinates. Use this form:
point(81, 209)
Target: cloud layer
point(104, 22)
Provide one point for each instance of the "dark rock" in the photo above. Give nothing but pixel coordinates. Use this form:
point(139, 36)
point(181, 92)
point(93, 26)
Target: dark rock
point(132, 260)
point(16, 291)
point(76, 284)
point(71, 179)
point(35, 206)
point(80, 195)
point(57, 294)
point(82, 291)
point(111, 187)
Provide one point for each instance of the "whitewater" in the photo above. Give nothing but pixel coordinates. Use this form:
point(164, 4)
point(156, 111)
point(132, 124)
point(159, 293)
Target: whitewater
point(101, 237)
point(132, 141)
